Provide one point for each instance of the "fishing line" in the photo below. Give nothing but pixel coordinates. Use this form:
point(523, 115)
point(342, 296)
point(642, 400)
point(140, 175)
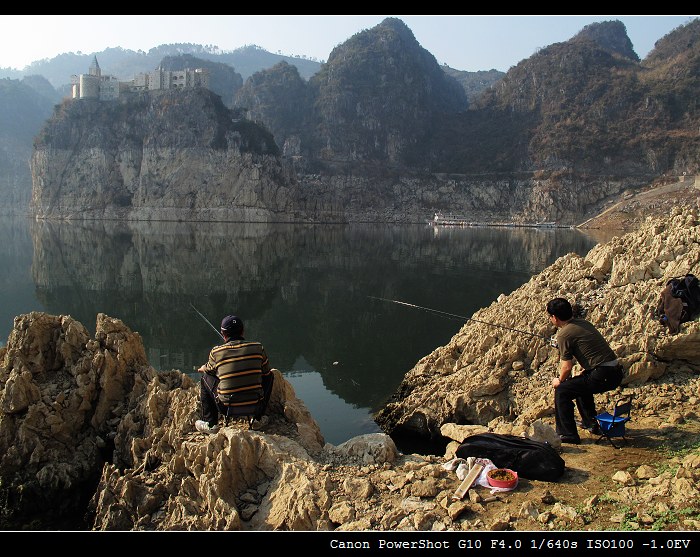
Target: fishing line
point(547, 339)
point(208, 322)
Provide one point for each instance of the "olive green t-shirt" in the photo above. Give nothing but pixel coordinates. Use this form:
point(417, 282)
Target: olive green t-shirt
point(581, 340)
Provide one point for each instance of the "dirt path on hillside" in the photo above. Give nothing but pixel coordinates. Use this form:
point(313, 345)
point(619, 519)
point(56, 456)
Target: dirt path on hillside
point(657, 201)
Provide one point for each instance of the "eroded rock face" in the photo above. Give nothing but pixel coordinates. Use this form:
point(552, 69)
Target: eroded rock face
point(179, 155)
point(63, 396)
point(71, 405)
point(488, 372)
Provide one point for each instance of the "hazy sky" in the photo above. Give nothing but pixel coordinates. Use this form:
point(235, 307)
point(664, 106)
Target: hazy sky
point(463, 42)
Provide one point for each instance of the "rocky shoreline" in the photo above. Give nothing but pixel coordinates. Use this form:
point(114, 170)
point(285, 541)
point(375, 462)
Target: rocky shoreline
point(89, 429)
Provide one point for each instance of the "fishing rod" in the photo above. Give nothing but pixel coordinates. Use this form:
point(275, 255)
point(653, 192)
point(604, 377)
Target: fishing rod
point(547, 339)
point(208, 322)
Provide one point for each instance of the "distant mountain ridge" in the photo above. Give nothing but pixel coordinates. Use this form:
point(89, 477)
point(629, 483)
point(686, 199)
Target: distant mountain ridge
point(245, 60)
point(125, 63)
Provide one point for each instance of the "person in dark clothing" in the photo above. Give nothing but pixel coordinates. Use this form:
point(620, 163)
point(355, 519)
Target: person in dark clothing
point(236, 377)
point(578, 339)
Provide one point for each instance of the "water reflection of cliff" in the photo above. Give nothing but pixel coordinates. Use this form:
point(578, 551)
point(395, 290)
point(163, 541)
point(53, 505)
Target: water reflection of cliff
point(16, 289)
point(303, 290)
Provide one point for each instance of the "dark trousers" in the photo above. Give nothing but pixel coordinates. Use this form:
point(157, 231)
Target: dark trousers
point(210, 410)
point(210, 405)
point(581, 390)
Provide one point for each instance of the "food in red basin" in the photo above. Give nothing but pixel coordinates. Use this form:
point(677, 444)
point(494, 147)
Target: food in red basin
point(502, 477)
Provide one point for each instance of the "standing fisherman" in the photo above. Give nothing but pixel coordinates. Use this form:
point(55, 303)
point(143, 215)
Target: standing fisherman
point(577, 338)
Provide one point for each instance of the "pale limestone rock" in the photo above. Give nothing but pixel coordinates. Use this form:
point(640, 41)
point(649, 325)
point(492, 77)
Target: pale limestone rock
point(501, 523)
point(341, 512)
point(564, 511)
point(360, 488)
point(174, 476)
point(685, 490)
point(456, 508)
point(423, 520)
point(624, 478)
point(460, 432)
point(413, 503)
point(645, 472)
point(424, 488)
point(544, 433)
point(372, 448)
point(529, 510)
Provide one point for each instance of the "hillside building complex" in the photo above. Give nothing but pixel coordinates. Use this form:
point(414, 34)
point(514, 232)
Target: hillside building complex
point(94, 85)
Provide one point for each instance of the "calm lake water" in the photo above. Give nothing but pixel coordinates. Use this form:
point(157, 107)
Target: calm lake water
point(307, 292)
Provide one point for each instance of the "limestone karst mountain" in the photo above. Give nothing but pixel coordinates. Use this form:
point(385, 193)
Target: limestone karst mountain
point(609, 35)
point(562, 133)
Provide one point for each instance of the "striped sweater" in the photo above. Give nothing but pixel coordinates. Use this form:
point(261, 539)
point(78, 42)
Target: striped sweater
point(240, 366)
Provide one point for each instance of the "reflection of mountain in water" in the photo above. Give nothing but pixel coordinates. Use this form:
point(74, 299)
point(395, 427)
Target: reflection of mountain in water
point(301, 289)
point(16, 288)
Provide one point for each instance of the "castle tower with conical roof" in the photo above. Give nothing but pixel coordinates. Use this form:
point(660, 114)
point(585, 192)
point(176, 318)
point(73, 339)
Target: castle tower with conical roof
point(95, 68)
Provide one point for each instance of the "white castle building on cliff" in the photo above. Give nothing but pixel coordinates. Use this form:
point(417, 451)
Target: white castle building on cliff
point(94, 85)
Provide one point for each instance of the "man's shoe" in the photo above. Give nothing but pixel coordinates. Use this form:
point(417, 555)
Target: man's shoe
point(570, 439)
point(204, 427)
point(259, 423)
point(593, 428)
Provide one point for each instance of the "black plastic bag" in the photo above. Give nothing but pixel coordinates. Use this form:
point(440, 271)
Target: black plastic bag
point(534, 460)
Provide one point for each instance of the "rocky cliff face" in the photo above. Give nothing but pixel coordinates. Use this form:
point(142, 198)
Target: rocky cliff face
point(380, 195)
point(86, 425)
point(72, 404)
point(183, 156)
point(180, 155)
point(281, 100)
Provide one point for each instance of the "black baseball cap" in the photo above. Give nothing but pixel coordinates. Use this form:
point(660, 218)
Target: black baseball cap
point(232, 324)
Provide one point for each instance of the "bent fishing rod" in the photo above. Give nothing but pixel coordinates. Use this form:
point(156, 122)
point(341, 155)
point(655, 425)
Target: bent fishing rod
point(208, 322)
point(437, 311)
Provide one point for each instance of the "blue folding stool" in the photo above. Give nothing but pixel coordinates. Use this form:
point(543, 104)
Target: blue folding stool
point(612, 426)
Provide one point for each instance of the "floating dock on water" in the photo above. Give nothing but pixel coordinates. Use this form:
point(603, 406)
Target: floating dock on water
point(462, 221)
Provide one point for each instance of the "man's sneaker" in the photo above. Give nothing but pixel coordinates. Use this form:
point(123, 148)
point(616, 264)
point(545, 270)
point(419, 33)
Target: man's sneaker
point(259, 423)
point(204, 427)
